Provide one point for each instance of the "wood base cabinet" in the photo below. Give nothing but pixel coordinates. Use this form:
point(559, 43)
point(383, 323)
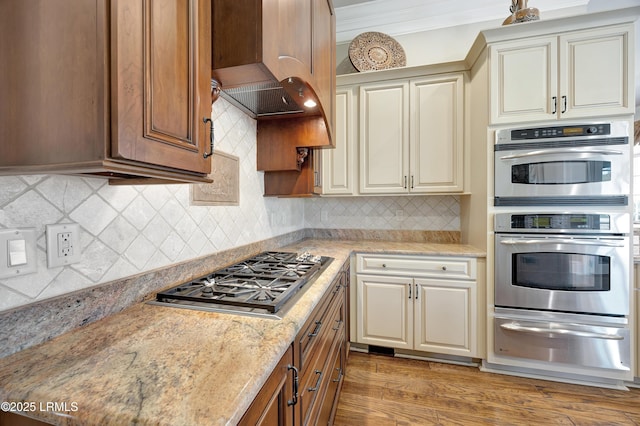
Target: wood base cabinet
point(274, 405)
point(319, 354)
point(117, 89)
point(418, 303)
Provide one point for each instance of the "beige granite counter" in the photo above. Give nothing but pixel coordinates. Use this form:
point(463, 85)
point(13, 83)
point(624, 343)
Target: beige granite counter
point(159, 365)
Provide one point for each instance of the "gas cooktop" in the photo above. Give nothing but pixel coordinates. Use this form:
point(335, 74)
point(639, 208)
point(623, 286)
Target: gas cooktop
point(263, 285)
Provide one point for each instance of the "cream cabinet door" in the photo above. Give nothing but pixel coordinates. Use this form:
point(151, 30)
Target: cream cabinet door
point(384, 311)
point(444, 311)
point(596, 73)
point(339, 165)
point(524, 80)
point(437, 134)
point(384, 137)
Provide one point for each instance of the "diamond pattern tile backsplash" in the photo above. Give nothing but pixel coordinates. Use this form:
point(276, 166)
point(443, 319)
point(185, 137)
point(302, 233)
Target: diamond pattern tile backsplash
point(126, 230)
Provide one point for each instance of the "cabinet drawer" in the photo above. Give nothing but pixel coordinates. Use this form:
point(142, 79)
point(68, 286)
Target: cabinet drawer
point(317, 374)
point(417, 266)
point(314, 329)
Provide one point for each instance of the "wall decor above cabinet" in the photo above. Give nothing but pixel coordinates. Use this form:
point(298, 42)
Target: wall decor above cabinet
point(108, 89)
point(270, 58)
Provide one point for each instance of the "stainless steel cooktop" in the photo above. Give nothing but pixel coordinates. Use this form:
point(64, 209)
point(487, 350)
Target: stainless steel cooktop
point(264, 285)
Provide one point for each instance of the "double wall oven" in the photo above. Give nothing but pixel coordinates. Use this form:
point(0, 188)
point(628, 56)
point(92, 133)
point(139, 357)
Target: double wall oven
point(563, 247)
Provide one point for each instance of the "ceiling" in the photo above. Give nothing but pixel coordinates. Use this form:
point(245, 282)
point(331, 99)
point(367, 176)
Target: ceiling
point(396, 17)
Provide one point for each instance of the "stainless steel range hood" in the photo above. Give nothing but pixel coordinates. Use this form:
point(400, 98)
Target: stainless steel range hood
point(260, 100)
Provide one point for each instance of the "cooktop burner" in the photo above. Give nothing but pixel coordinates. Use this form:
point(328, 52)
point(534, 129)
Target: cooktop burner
point(260, 285)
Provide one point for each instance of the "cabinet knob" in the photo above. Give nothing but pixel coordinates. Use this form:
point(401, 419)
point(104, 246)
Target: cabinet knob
point(444, 268)
point(384, 265)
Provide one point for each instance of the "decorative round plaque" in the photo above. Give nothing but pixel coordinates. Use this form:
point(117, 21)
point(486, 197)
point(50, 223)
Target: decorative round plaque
point(376, 51)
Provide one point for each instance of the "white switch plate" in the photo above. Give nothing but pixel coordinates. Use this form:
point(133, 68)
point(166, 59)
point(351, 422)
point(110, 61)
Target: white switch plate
point(63, 244)
point(12, 242)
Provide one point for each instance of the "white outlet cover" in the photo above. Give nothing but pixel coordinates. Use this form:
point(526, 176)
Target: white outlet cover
point(53, 260)
point(12, 240)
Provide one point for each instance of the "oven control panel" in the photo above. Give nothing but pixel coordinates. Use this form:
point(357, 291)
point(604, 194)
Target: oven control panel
point(553, 222)
point(561, 131)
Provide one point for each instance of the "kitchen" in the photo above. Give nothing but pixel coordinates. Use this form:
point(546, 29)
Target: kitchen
point(142, 228)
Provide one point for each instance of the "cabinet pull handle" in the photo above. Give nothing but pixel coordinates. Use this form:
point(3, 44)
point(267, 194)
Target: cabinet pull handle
point(405, 182)
point(411, 181)
point(294, 399)
point(417, 292)
point(564, 104)
point(555, 105)
point(339, 370)
point(337, 327)
point(206, 120)
point(317, 386)
point(410, 287)
point(317, 329)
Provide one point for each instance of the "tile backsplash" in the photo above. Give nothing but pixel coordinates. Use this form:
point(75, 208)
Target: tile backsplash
point(126, 230)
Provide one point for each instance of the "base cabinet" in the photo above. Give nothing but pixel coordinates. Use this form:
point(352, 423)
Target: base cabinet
point(418, 303)
point(274, 405)
point(304, 387)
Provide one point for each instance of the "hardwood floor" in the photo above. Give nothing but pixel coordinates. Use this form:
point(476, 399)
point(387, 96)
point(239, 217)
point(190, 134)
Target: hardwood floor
point(385, 391)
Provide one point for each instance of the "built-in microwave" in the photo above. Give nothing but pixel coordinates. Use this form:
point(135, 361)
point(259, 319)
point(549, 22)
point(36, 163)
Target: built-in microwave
point(585, 164)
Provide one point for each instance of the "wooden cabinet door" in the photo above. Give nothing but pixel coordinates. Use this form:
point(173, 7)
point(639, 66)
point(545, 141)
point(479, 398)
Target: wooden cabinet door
point(384, 137)
point(384, 311)
point(324, 60)
point(53, 88)
point(524, 80)
point(437, 134)
point(160, 79)
point(271, 405)
point(339, 165)
point(444, 311)
point(595, 73)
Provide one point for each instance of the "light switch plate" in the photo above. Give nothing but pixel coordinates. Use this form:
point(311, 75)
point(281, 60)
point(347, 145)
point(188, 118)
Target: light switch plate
point(63, 244)
point(17, 252)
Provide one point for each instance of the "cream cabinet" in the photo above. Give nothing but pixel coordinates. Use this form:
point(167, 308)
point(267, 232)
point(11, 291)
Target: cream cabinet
point(337, 168)
point(411, 135)
point(423, 303)
point(571, 75)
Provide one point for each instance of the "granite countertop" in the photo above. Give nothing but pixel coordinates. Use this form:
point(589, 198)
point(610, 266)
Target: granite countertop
point(159, 365)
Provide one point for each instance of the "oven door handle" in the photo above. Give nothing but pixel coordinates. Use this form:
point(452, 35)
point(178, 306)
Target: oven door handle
point(562, 151)
point(562, 332)
point(599, 243)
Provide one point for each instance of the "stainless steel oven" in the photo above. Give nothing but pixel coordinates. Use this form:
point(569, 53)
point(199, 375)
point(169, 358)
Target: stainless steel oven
point(562, 288)
point(567, 262)
point(584, 164)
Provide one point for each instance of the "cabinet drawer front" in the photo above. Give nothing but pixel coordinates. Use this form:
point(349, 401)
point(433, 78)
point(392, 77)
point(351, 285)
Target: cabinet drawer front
point(417, 266)
point(316, 328)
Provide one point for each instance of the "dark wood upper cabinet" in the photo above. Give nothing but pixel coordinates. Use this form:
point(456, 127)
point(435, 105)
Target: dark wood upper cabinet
point(107, 88)
point(269, 56)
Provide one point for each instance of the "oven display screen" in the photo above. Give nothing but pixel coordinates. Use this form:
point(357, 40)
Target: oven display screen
point(541, 222)
point(578, 222)
point(569, 131)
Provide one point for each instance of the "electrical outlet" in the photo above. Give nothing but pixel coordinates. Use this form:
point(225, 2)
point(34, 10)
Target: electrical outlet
point(63, 244)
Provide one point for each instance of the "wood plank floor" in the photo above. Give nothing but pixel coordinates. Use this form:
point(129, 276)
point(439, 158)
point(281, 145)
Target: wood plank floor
point(385, 391)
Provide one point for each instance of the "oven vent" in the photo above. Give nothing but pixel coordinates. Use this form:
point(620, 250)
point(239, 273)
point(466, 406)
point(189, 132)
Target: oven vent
point(262, 99)
point(605, 200)
point(561, 144)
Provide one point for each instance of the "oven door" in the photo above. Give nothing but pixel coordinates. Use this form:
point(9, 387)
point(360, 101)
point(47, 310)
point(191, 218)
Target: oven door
point(552, 272)
point(591, 171)
point(577, 340)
